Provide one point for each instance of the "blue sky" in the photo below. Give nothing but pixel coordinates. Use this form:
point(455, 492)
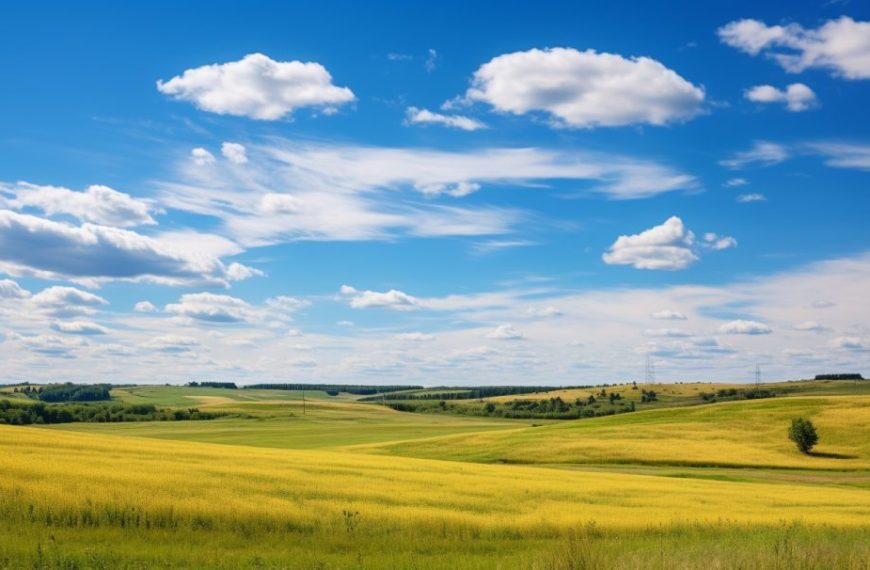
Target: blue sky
point(450, 194)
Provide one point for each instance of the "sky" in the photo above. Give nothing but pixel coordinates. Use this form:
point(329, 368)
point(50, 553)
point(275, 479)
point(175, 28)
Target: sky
point(443, 193)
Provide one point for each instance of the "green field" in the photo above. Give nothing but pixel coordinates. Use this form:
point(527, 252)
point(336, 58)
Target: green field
point(338, 483)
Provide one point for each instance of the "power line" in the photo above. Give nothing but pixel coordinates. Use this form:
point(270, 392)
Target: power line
point(650, 370)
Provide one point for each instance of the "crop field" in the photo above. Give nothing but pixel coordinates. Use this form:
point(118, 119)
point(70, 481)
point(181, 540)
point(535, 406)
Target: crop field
point(342, 484)
point(283, 424)
point(727, 434)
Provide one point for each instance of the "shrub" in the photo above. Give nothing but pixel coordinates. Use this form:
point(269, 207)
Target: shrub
point(803, 434)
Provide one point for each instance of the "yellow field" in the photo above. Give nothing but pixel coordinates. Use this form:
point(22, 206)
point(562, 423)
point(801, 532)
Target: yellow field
point(728, 434)
point(626, 390)
point(101, 497)
point(74, 475)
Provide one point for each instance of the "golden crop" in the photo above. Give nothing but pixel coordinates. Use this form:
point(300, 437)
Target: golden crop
point(73, 480)
point(728, 434)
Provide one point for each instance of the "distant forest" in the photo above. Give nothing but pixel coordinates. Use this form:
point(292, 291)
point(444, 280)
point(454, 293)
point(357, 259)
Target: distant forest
point(839, 377)
point(68, 392)
point(16, 413)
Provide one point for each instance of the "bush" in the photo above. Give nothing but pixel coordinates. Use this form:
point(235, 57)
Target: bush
point(803, 434)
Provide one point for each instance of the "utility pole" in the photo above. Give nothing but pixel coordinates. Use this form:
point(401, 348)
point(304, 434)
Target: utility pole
point(757, 376)
point(650, 370)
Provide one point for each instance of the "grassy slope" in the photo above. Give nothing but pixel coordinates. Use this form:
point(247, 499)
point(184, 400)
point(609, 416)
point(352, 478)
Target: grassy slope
point(235, 506)
point(282, 424)
point(237, 503)
point(181, 396)
point(729, 434)
point(670, 395)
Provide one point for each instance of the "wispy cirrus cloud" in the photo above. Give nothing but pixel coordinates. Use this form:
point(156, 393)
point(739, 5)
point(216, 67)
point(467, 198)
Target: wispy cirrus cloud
point(762, 153)
point(417, 116)
point(290, 191)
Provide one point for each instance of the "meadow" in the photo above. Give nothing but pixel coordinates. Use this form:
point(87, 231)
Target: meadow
point(344, 484)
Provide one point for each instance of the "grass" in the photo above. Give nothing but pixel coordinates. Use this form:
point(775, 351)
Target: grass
point(180, 396)
point(283, 425)
point(728, 434)
point(87, 490)
point(356, 485)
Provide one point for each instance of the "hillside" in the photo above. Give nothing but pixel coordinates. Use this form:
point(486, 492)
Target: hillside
point(742, 434)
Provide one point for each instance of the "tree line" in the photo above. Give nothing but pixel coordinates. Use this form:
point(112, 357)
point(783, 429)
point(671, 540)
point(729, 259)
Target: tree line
point(735, 394)
point(16, 413)
point(227, 385)
point(67, 392)
point(550, 408)
point(839, 377)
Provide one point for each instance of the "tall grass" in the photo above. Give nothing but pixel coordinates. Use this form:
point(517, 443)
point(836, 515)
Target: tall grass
point(70, 500)
point(729, 434)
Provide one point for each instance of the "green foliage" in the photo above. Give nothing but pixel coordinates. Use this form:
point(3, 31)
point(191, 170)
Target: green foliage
point(839, 377)
point(554, 408)
point(227, 385)
point(726, 394)
point(803, 434)
point(70, 392)
point(648, 396)
point(15, 413)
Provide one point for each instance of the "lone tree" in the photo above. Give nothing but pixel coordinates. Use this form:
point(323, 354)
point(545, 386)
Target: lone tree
point(803, 434)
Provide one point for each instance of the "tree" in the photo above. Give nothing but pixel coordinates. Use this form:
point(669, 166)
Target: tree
point(803, 434)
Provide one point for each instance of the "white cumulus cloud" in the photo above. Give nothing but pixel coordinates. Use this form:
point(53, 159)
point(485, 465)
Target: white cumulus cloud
point(718, 243)
point(234, 152)
point(201, 157)
point(741, 326)
point(98, 204)
point(144, 307)
point(797, 96)
point(841, 46)
point(585, 89)
point(392, 299)
point(9, 289)
point(505, 332)
point(30, 245)
point(670, 246)
point(62, 297)
point(257, 87)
